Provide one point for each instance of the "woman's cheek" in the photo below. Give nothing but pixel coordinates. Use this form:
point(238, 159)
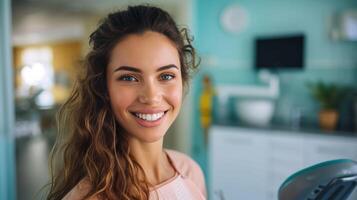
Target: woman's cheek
point(175, 95)
point(123, 97)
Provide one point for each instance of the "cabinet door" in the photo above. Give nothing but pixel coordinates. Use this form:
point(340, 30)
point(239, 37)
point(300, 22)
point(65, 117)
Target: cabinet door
point(238, 163)
point(286, 158)
point(319, 148)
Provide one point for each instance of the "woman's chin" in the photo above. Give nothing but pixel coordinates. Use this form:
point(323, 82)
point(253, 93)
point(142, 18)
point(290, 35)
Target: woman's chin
point(149, 138)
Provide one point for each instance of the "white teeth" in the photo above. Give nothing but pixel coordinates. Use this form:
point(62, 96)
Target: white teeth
point(150, 117)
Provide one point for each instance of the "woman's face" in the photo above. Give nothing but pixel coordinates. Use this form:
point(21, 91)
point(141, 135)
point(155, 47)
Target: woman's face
point(145, 85)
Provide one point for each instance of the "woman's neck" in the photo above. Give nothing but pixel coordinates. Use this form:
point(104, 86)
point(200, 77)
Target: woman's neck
point(153, 159)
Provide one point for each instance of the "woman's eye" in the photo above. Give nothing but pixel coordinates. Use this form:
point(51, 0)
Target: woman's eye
point(167, 77)
point(127, 78)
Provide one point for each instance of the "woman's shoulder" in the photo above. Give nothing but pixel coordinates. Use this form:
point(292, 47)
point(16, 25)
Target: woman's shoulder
point(187, 167)
point(183, 163)
point(79, 191)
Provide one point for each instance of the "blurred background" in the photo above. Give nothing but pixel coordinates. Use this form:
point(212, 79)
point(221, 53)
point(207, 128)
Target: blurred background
point(276, 90)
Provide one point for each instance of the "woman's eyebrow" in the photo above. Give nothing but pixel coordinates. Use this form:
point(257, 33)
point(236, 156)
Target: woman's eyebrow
point(167, 67)
point(127, 68)
point(134, 69)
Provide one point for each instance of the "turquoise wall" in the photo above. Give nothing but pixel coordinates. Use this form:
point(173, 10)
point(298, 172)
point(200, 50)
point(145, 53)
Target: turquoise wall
point(228, 58)
point(7, 168)
point(7, 153)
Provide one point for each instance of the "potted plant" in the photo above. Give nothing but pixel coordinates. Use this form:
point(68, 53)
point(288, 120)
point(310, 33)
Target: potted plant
point(329, 97)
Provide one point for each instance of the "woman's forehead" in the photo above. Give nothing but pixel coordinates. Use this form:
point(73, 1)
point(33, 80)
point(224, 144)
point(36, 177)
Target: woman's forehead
point(146, 50)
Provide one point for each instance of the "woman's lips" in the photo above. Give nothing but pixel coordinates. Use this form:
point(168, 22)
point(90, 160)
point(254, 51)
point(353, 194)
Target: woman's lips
point(146, 123)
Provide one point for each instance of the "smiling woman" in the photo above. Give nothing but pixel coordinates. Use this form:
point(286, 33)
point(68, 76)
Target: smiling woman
point(151, 92)
point(112, 126)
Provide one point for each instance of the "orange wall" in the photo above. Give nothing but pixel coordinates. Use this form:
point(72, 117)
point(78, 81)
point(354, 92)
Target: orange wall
point(66, 57)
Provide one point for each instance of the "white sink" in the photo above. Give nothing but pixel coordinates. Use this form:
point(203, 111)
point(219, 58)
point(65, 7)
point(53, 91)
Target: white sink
point(255, 112)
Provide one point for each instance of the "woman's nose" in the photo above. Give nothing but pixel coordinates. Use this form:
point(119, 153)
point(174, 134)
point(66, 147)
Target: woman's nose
point(150, 94)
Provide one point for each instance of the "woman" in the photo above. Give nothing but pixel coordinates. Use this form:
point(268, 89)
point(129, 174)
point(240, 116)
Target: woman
point(131, 91)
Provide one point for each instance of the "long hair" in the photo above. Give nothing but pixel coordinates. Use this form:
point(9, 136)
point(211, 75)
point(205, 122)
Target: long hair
point(91, 144)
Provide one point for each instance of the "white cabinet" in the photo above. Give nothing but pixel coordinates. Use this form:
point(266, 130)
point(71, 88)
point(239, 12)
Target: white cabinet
point(318, 149)
point(252, 163)
point(285, 157)
point(232, 154)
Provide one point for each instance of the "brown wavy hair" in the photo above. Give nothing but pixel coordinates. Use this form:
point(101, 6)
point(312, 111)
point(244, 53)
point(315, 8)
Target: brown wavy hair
point(90, 144)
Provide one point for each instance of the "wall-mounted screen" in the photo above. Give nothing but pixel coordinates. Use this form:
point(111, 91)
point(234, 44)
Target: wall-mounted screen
point(280, 51)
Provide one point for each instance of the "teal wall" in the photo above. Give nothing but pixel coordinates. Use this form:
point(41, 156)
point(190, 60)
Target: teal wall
point(7, 154)
point(228, 58)
point(7, 168)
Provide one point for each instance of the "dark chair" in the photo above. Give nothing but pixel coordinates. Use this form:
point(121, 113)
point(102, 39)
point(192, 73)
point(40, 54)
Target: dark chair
point(331, 180)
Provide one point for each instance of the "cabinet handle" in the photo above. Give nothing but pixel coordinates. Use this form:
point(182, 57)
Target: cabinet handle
point(235, 141)
point(331, 150)
point(220, 194)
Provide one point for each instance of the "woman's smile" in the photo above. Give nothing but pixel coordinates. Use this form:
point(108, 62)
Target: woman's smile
point(149, 120)
point(150, 117)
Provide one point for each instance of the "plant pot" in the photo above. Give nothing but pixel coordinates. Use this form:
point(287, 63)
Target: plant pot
point(328, 119)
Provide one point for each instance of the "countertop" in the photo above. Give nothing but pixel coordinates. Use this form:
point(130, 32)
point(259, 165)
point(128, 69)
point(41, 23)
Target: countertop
point(277, 127)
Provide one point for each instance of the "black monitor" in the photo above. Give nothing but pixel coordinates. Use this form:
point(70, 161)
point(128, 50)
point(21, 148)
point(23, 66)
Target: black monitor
point(280, 52)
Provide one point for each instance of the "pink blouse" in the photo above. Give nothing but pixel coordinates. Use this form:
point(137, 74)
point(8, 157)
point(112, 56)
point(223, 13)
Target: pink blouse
point(187, 184)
